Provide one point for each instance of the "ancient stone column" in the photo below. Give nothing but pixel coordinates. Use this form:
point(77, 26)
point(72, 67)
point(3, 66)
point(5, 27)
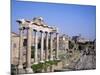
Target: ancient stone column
point(42, 47)
point(20, 64)
point(46, 54)
point(12, 52)
point(57, 45)
point(28, 54)
point(36, 48)
point(51, 46)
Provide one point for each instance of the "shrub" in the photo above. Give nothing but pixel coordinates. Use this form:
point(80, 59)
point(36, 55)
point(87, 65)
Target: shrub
point(40, 66)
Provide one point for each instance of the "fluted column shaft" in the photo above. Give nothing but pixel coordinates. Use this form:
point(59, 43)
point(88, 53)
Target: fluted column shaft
point(51, 46)
point(20, 66)
point(57, 45)
point(28, 55)
point(42, 47)
point(46, 54)
point(36, 48)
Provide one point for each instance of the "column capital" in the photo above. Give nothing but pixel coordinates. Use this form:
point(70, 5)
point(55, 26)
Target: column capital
point(41, 31)
point(27, 28)
point(21, 28)
point(35, 30)
point(46, 32)
point(57, 33)
point(51, 32)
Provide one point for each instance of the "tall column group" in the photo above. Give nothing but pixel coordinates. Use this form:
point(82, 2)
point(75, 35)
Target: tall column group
point(47, 52)
point(28, 50)
point(47, 42)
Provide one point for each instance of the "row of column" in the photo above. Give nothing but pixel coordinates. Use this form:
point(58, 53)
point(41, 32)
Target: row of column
point(28, 52)
point(42, 47)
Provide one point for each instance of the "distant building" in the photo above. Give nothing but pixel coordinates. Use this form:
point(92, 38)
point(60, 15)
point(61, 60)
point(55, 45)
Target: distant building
point(79, 39)
point(14, 48)
point(64, 42)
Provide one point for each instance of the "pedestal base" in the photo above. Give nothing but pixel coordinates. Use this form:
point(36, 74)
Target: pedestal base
point(58, 59)
point(29, 71)
point(21, 70)
point(20, 66)
point(51, 59)
point(47, 60)
point(41, 61)
point(36, 63)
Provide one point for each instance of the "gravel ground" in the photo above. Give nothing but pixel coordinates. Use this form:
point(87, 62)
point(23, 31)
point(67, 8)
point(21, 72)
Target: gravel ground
point(86, 62)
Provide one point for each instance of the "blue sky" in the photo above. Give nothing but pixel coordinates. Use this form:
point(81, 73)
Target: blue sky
point(70, 19)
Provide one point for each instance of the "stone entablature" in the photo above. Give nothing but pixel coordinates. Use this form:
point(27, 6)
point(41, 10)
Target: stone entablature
point(36, 24)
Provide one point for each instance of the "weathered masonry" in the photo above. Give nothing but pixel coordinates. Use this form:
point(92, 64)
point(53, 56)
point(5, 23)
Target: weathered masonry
point(37, 25)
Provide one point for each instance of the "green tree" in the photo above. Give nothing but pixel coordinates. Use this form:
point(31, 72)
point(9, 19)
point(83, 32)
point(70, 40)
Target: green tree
point(71, 45)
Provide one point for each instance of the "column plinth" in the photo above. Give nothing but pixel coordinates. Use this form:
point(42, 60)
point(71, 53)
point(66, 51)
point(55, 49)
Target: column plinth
point(29, 70)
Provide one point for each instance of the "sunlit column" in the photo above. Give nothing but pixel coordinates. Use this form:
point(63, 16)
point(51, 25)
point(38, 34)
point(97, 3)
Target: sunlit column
point(28, 54)
point(42, 47)
point(20, 65)
point(57, 45)
point(51, 46)
point(46, 54)
point(36, 48)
